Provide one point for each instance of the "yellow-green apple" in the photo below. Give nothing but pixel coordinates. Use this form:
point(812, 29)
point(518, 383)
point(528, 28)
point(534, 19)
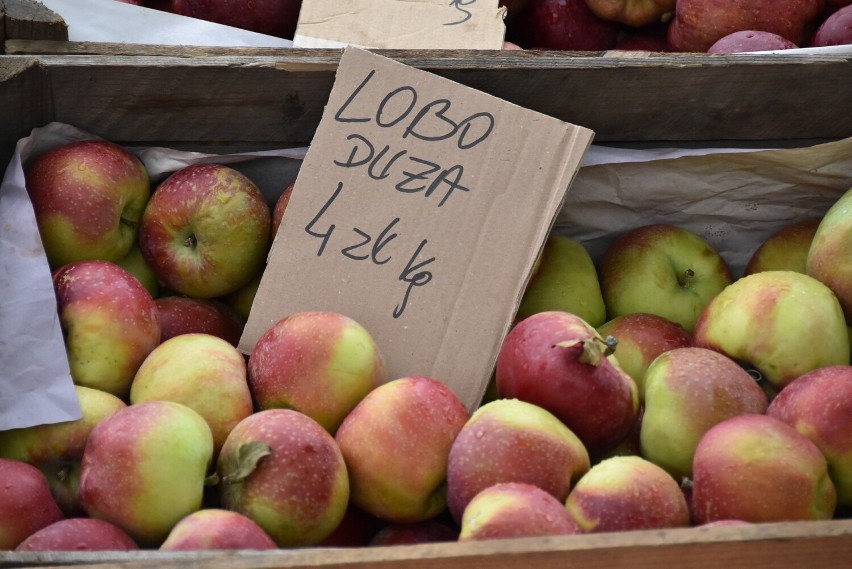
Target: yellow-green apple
point(110, 323)
point(203, 372)
point(757, 468)
point(429, 531)
point(320, 363)
point(242, 298)
point(283, 470)
point(214, 528)
point(57, 448)
point(515, 509)
point(830, 256)
point(186, 315)
point(750, 40)
point(565, 279)
point(88, 197)
point(687, 391)
point(642, 337)
point(784, 250)
point(634, 13)
point(661, 269)
point(280, 207)
point(414, 420)
point(836, 29)
point(625, 493)
point(25, 502)
point(79, 534)
point(557, 361)
point(819, 406)
point(271, 17)
point(144, 468)
point(561, 25)
point(205, 230)
point(782, 323)
point(698, 24)
point(137, 266)
point(509, 440)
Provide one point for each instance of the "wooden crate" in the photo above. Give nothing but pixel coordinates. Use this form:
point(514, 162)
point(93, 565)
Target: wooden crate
point(230, 98)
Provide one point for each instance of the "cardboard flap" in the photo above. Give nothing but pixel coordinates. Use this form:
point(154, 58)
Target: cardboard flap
point(391, 24)
point(419, 211)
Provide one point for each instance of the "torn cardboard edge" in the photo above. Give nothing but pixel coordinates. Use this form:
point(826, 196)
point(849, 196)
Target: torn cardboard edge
point(419, 212)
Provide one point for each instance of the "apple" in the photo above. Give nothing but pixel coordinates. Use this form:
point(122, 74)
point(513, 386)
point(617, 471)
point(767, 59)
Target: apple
point(698, 24)
point(283, 470)
point(144, 468)
point(557, 361)
point(687, 391)
point(836, 29)
point(414, 420)
point(271, 17)
point(641, 338)
point(750, 40)
point(57, 448)
point(509, 440)
point(514, 509)
point(819, 406)
point(185, 315)
point(784, 250)
point(782, 323)
point(634, 13)
point(110, 323)
point(561, 25)
point(203, 372)
point(430, 531)
point(280, 207)
point(88, 197)
point(79, 534)
point(319, 363)
point(830, 256)
point(205, 230)
point(25, 501)
point(661, 269)
point(756, 468)
point(626, 493)
point(356, 529)
point(136, 265)
point(215, 528)
point(565, 279)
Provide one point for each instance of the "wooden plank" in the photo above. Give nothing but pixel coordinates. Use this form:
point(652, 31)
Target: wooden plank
point(28, 20)
point(816, 545)
point(24, 101)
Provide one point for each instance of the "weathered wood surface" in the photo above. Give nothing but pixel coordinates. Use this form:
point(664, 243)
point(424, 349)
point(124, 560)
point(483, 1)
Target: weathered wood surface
point(25, 102)
point(28, 20)
point(815, 545)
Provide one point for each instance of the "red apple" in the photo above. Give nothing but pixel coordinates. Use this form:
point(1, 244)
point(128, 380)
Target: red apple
point(356, 529)
point(750, 40)
point(284, 471)
point(429, 531)
point(698, 24)
point(561, 25)
point(319, 363)
point(785, 250)
point(558, 361)
point(634, 13)
point(88, 198)
point(205, 230)
point(110, 322)
point(835, 30)
point(509, 440)
point(185, 315)
point(514, 509)
point(25, 502)
point(216, 529)
point(819, 406)
point(79, 534)
point(627, 493)
point(830, 256)
point(414, 420)
point(756, 468)
point(281, 207)
point(271, 17)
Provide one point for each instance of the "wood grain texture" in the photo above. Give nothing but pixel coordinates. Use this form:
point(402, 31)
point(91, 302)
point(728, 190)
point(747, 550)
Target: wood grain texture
point(25, 102)
point(28, 20)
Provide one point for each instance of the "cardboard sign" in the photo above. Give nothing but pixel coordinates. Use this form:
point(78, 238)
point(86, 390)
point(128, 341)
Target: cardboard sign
point(419, 211)
point(413, 24)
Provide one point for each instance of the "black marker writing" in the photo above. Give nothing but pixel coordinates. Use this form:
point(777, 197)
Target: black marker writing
point(412, 275)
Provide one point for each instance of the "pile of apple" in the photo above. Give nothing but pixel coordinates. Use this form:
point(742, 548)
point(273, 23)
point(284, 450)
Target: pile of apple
point(650, 390)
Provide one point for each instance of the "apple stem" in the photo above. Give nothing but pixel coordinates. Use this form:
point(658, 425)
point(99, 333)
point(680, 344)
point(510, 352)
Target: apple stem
point(593, 349)
point(248, 456)
point(686, 279)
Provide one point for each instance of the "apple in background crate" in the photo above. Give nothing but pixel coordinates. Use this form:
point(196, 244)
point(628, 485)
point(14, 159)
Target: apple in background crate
point(271, 17)
point(561, 25)
point(835, 30)
point(110, 323)
point(25, 501)
point(79, 534)
point(88, 197)
point(785, 250)
point(144, 468)
point(750, 40)
point(185, 315)
point(634, 13)
point(216, 529)
point(205, 231)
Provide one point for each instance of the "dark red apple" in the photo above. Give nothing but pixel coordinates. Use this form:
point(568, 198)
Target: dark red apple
point(835, 30)
point(184, 315)
point(430, 531)
point(270, 17)
point(750, 40)
point(79, 534)
point(561, 25)
point(25, 502)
